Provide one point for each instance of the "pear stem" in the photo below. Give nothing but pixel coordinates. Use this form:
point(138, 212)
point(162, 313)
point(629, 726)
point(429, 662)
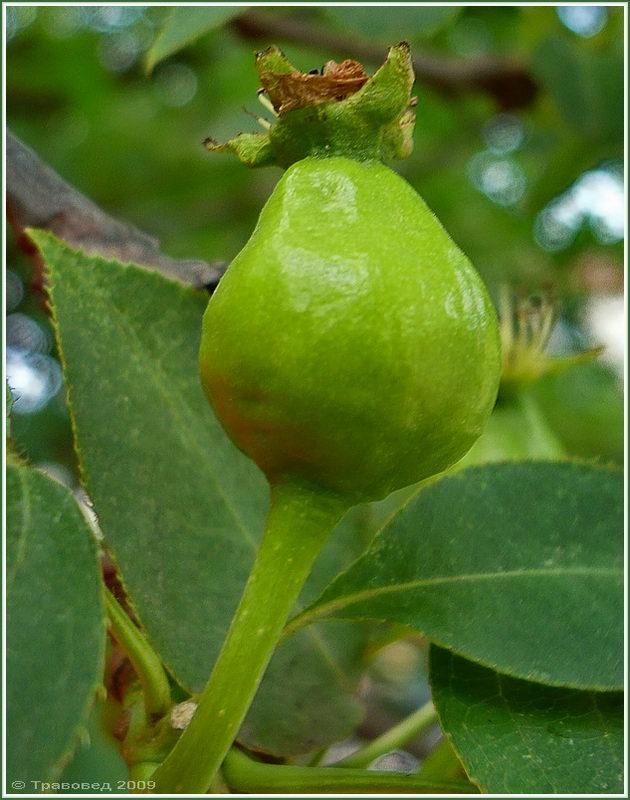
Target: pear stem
point(299, 523)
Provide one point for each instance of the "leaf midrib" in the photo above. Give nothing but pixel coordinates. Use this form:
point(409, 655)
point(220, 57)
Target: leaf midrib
point(309, 616)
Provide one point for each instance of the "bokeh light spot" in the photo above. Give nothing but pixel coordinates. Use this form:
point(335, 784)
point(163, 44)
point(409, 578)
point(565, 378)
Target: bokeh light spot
point(604, 319)
point(106, 19)
point(25, 334)
point(14, 290)
point(553, 230)
point(118, 51)
point(503, 134)
point(34, 379)
point(60, 23)
point(18, 18)
point(176, 84)
point(501, 179)
point(470, 37)
point(596, 199)
point(584, 20)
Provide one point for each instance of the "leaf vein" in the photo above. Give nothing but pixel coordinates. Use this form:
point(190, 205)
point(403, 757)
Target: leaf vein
point(367, 594)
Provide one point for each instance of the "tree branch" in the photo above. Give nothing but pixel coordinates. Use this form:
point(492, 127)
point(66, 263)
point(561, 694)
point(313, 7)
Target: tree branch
point(37, 197)
point(507, 80)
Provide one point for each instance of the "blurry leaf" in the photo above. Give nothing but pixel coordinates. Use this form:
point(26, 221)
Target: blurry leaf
point(442, 763)
point(585, 409)
point(393, 25)
point(46, 435)
point(517, 429)
point(513, 565)
point(516, 737)
point(180, 507)
point(185, 24)
point(55, 625)
point(588, 86)
point(306, 700)
point(97, 759)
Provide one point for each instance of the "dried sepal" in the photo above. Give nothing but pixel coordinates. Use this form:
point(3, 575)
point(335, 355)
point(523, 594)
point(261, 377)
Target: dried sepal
point(288, 91)
point(339, 110)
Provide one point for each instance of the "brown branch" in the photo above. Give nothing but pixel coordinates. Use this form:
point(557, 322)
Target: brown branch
point(38, 198)
point(507, 80)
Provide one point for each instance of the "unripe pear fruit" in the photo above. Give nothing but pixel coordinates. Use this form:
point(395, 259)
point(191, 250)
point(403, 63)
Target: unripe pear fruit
point(351, 345)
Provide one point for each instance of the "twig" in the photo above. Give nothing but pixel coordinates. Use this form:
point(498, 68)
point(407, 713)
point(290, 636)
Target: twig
point(245, 775)
point(39, 198)
point(507, 80)
point(407, 729)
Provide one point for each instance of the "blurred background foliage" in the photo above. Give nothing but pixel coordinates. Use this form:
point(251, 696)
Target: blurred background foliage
point(529, 182)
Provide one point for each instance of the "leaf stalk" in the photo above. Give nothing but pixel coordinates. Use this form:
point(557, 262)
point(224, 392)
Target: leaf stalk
point(148, 667)
point(397, 736)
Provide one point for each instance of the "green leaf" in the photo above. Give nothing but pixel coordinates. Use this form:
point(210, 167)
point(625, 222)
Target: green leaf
point(379, 22)
point(97, 759)
point(512, 565)
point(304, 691)
point(55, 625)
point(516, 430)
point(515, 737)
point(180, 507)
point(585, 408)
point(184, 25)
point(587, 85)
